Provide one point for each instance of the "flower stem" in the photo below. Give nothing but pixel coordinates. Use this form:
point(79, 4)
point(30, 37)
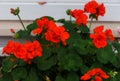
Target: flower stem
point(70, 18)
point(90, 23)
point(21, 22)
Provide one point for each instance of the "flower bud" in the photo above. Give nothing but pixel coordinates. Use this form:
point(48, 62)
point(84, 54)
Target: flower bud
point(15, 11)
point(68, 11)
point(12, 30)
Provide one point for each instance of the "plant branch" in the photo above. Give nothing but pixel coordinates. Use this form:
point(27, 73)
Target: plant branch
point(90, 23)
point(21, 22)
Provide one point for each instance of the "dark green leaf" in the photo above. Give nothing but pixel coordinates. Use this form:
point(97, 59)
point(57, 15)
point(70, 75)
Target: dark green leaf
point(71, 62)
point(49, 17)
point(84, 69)
point(72, 77)
point(47, 52)
point(84, 29)
point(21, 34)
point(61, 20)
point(31, 27)
point(45, 64)
point(19, 73)
point(59, 78)
point(32, 76)
point(105, 55)
point(7, 64)
point(69, 25)
point(61, 51)
point(6, 77)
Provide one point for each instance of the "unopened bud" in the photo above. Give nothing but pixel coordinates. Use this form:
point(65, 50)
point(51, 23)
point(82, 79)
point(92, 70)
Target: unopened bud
point(15, 11)
point(12, 30)
point(68, 11)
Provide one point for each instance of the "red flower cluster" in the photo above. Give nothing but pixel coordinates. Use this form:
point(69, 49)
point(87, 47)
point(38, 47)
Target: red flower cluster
point(97, 73)
point(41, 23)
point(52, 32)
point(26, 51)
point(80, 17)
point(100, 38)
point(95, 9)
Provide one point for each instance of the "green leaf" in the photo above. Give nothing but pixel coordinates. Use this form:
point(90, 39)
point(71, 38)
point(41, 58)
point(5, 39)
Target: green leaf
point(69, 25)
point(21, 34)
point(73, 37)
point(117, 77)
point(31, 27)
point(116, 47)
point(61, 51)
point(61, 21)
point(71, 62)
point(45, 64)
point(72, 77)
point(84, 69)
point(19, 73)
point(49, 17)
point(21, 62)
point(105, 55)
point(6, 77)
point(84, 29)
point(47, 52)
point(7, 64)
point(80, 46)
point(32, 75)
point(59, 78)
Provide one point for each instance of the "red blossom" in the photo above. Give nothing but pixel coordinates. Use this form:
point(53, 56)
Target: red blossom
point(80, 17)
point(52, 32)
point(109, 34)
point(91, 7)
point(99, 40)
point(97, 73)
point(98, 29)
point(99, 37)
point(26, 52)
point(56, 35)
point(95, 9)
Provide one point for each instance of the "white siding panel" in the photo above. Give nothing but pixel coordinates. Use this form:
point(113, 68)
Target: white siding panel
point(58, 1)
point(31, 11)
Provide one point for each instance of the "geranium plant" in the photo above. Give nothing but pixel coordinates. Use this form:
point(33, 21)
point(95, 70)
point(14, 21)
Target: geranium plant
point(67, 52)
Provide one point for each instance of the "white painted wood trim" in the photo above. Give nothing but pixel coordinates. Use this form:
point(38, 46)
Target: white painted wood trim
point(58, 1)
point(31, 11)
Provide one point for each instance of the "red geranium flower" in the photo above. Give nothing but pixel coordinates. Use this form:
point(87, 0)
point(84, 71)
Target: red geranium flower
point(91, 7)
point(109, 34)
point(80, 17)
point(41, 23)
point(26, 52)
point(95, 9)
point(97, 73)
point(99, 40)
point(98, 29)
point(99, 37)
point(56, 35)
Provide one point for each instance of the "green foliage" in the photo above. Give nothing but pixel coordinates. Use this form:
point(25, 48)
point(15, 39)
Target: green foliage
point(6, 77)
point(66, 54)
point(32, 75)
point(59, 78)
point(69, 77)
point(21, 34)
point(45, 64)
point(19, 73)
point(70, 62)
point(7, 64)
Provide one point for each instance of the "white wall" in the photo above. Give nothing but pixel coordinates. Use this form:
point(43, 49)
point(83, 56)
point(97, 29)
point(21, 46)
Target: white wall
point(30, 10)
